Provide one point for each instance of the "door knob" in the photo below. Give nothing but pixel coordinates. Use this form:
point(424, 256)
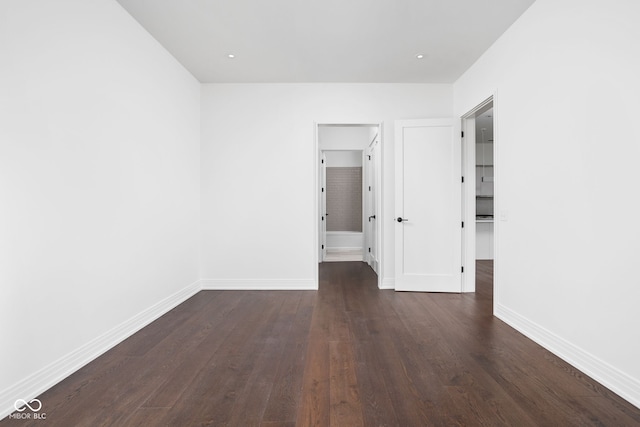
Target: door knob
point(372, 217)
point(400, 219)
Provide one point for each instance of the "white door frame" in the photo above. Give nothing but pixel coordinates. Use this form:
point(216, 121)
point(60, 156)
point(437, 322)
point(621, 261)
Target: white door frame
point(323, 207)
point(379, 194)
point(372, 178)
point(469, 194)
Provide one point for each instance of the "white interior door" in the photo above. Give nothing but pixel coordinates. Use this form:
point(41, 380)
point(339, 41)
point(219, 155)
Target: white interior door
point(428, 206)
point(323, 207)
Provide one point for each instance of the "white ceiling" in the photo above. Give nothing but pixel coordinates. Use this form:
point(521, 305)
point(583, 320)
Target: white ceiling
point(326, 41)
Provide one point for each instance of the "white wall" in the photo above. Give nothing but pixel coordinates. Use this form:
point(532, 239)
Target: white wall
point(344, 159)
point(567, 151)
point(99, 186)
point(344, 137)
point(258, 172)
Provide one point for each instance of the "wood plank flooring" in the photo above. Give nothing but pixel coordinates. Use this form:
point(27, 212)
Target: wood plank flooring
point(347, 355)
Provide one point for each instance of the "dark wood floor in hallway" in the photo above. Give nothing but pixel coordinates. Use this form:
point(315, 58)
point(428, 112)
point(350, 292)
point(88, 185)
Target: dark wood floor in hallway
point(346, 355)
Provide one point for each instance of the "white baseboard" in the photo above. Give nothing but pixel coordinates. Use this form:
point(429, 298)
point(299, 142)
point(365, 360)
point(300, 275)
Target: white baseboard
point(619, 382)
point(45, 378)
point(258, 284)
point(388, 283)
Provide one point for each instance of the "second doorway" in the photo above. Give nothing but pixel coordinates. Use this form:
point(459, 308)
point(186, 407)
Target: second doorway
point(349, 192)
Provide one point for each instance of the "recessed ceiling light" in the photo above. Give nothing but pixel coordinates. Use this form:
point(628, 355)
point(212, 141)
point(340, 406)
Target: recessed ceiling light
point(419, 56)
point(231, 56)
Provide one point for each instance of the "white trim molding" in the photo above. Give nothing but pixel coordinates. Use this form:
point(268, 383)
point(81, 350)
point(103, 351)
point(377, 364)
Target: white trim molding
point(40, 381)
point(259, 285)
point(388, 283)
point(612, 378)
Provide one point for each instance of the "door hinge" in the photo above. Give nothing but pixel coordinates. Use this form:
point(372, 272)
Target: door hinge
point(369, 188)
point(322, 246)
point(462, 224)
point(322, 161)
point(323, 218)
point(463, 179)
point(462, 133)
point(323, 189)
point(369, 157)
point(462, 269)
point(369, 249)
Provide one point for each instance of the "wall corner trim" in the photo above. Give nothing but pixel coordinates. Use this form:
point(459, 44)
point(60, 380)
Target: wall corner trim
point(259, 284)
point(619, 382)
point(43, 379)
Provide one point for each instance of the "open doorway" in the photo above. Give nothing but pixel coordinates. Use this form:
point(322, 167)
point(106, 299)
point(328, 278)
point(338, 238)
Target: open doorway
point(479, 197)
point(484, 186)
point(349, 193)
point(343, 200)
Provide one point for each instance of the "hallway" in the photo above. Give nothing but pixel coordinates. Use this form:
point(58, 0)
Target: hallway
point(347, 355)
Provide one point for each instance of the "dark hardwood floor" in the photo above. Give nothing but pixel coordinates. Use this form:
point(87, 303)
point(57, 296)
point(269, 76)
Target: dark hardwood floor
point(347, 355)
